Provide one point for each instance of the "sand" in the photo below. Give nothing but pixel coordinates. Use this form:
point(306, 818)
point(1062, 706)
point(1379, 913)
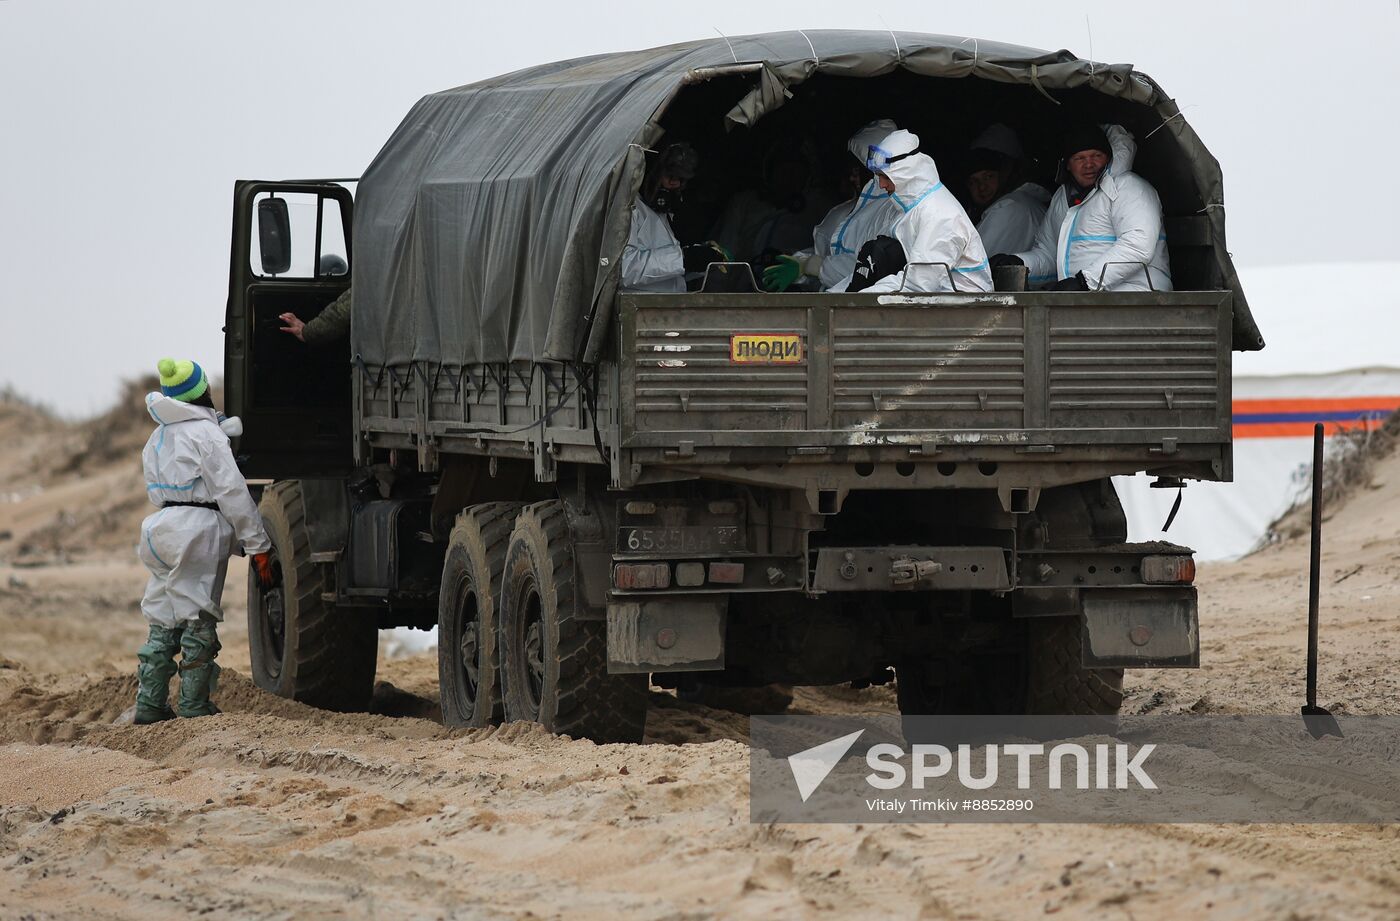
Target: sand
point(277, 810)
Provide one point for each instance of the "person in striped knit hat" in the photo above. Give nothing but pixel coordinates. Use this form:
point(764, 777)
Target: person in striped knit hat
point(204, 514)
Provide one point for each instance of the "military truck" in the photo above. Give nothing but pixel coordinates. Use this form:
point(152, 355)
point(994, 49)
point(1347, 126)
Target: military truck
point(588, 491)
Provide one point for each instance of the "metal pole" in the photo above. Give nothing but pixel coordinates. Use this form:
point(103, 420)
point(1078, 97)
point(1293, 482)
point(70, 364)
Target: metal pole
point(1315, 563)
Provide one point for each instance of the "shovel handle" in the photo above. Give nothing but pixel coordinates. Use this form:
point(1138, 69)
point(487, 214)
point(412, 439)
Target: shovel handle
point(1315, 563)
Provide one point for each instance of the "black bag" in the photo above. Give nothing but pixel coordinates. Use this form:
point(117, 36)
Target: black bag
point(878, 258)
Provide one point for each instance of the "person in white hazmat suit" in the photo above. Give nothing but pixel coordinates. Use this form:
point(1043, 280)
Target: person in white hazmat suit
point(653, 261)
point(1011, 209)
point(934, 247)
point(205, 514)
point(1103, 230)
point(838, 238)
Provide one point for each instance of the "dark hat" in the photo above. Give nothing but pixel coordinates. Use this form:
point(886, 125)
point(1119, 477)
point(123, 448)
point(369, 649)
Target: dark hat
point(981, 158)
point(1085, 137)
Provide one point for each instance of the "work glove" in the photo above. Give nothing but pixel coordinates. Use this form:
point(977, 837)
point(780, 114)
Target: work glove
point(1001, 260)
point(1075, 282)
point(878, 258)
point(781, 275)
point(262, 566)
point(698, 256)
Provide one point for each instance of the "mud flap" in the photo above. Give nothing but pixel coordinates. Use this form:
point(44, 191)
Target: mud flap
point(666, 635)
point(1141, 627)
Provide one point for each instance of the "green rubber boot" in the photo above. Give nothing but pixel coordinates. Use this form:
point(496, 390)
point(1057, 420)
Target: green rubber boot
point(153, 674)
point(199, 674)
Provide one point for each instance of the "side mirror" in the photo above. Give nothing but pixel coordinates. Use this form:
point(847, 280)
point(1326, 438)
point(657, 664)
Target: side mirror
point(274, 236)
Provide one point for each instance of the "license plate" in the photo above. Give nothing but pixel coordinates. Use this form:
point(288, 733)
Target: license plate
point(684, 539)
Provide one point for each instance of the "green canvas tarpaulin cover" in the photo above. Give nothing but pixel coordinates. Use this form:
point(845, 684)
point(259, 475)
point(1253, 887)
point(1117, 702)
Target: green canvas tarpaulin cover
point(490, 226)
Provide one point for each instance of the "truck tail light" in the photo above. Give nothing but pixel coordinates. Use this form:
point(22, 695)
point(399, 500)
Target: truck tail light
point(641, 575)
point(727, 573)
point(1160, 569)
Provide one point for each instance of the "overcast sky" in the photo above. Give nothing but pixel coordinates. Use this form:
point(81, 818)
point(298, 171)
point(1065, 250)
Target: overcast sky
point(124, 123)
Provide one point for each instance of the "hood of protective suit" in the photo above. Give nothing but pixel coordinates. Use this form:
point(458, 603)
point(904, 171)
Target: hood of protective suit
point(167, 411)
point(1032, 190)
point(1124, 152)
point(872, 133)
point(913, 174)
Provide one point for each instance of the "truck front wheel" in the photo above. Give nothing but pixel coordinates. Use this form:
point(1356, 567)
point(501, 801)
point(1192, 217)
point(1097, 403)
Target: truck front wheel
point(300, 645)
point(554, 664)
point(468, 683)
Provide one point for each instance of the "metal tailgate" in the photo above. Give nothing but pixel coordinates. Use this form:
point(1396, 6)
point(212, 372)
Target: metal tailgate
point(995, 369)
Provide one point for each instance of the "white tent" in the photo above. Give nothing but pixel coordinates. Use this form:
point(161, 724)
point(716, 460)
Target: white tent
point(1274, 418)
point(1332, 356)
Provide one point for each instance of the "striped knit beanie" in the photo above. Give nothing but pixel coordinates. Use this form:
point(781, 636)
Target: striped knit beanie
point(182, 380)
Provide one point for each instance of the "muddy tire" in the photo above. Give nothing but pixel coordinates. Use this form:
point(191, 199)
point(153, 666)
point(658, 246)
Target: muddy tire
point(1083, 516)
point(554, 665)
point(302, 647)
point(1058, 683)
point(1025, 667)
point(468, 681)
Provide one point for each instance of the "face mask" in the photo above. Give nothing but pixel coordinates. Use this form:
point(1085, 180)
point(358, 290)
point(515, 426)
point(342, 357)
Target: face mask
point(666, 201)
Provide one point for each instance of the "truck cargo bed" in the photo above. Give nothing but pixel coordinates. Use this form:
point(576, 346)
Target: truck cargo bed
point(1079, 386)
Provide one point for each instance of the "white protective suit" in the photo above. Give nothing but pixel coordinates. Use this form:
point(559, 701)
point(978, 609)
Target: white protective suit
point(1110, 234)
point(652, 261)
point(840, 235)
point(186, 548)
point(846, 227)
point(935, 231)
point(1010, 224)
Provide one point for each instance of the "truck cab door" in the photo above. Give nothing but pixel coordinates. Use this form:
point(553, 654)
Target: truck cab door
point(291, 253)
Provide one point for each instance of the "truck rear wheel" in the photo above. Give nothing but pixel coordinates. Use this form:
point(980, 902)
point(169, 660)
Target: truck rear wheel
point(468, 679)
point(1034, 669)
point(301, 646)
point(554, 665)
point(1058, 683)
